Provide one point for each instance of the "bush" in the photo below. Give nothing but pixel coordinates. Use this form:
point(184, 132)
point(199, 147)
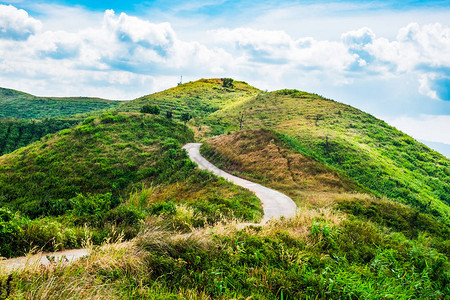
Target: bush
point(11, 232)
point(90, 208)
point(227, 83)
point(150, 109)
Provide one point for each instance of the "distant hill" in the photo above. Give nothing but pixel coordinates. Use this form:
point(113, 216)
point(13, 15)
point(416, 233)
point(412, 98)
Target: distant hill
point(19, 105)
point(25, 118)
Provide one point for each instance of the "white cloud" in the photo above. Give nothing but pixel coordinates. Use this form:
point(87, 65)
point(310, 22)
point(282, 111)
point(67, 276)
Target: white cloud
point(16, 24)
point(358, 38)
point(425, 85)
point(416, 48)
point(137, 51)
point(432, 128)
point(135, 30)
point(274, 47)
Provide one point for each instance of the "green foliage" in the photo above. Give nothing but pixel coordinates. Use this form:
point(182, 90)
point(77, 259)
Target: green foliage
point(91, 208)
point(11, 230)
point(126, 174)
point(377, 156)
point(400, 218)
point(227, 83)
point(150, 109)
point(185, 117)
point(15, 133)
point(200, 98)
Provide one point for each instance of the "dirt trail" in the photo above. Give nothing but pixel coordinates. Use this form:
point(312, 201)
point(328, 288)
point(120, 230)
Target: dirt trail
point(44, 259)
point(275, 205)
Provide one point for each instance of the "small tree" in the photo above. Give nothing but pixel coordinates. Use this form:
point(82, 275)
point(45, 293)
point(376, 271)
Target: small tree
point(227, 83)
point(240, 118)
point(318, 118)
point(169, 114)
point(185, 117)
point(150, 109)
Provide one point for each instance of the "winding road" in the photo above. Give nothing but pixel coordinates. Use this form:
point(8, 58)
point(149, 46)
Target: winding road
point(275, 205)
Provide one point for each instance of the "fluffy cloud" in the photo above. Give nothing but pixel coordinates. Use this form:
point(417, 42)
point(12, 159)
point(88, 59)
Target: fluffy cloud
point(420, 50)
point(16, 24)
point(133, 48)
point(270, 47)
point(121, 44)
point(358, 38)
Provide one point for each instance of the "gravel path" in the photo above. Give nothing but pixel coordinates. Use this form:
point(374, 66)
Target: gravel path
point(275, 204)
point(44, 259)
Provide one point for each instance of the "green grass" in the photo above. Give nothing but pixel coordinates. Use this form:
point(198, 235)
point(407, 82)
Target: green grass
point(317, 254)
point(19, 105)
point(200, 98)
point(25, 118)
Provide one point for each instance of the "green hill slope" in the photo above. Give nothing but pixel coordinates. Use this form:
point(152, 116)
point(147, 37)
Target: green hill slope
point(111, 170)
point(374, 154)
point(200, 98)
point(19, 105)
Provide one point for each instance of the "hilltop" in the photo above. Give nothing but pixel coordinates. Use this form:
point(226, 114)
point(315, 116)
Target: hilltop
point(373, 207)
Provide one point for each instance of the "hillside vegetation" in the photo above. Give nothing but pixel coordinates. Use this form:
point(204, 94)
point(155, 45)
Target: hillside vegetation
point(25, 118)
point(199, 99)
point(17, 133)
point(377, 156)
point(372, 219)
point(19, 105)
point(112, 170)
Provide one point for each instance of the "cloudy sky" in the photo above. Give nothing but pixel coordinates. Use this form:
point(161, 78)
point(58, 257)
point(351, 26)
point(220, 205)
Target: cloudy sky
point(389, 58)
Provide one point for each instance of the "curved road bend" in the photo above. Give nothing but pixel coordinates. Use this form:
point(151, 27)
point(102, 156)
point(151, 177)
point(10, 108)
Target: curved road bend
point(275, 204)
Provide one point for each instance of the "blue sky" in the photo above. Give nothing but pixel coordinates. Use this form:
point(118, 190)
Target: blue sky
point(389, 58)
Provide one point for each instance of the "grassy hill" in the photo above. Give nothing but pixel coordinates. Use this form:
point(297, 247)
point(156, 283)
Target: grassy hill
point(25, 118)
point(111, 170)
point(372, 223)
point(375, 155)
point(19, 105)
point(366, 149)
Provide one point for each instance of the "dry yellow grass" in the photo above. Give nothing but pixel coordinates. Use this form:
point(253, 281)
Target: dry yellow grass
point(255, 155)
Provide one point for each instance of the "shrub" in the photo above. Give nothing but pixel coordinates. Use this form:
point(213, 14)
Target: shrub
point(150, 109)
point(11, 232)
point(227, 83)
point(90, 208)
